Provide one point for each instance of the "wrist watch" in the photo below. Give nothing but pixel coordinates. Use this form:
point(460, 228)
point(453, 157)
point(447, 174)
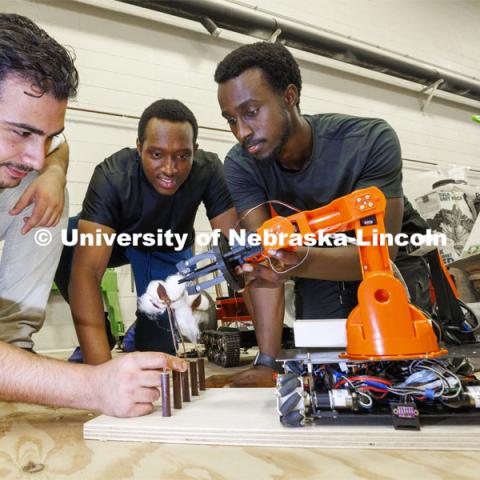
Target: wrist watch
point(266, 361)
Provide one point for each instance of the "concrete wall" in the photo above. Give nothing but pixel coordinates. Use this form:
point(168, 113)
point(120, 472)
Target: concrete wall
point(126, 62)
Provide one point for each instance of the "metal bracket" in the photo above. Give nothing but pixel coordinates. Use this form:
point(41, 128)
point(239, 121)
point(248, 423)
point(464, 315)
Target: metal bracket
point(210, 26)
point(433, 87)
point(275, 35)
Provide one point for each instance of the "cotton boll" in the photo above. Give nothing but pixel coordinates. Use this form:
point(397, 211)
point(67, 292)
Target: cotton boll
point(145, 305)
point(163, 293)
point(152, 291)
point(186, 321)
point(197, 301)
point(204, 304)
point(174, 289)
point(190, 299)
point(201, 316)
point(150, 303)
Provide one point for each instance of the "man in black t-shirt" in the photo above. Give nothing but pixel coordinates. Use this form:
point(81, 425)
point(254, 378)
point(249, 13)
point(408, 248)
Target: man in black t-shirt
point(305, 161)
point(147, 191)
point(347, 153)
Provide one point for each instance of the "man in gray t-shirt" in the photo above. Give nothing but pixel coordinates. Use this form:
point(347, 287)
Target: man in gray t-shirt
point(305, 161)
point(348, 153)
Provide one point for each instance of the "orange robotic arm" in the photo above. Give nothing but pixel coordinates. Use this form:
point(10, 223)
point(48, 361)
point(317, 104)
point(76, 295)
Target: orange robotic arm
point(361, 210)
point(384, 325)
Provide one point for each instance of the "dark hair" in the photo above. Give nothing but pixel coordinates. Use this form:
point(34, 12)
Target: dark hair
point(276, 62)
point(28, 51)
point(165, 109)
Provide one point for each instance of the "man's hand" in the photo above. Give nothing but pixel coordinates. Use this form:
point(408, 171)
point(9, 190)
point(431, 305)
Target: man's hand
point(264, 276)
point(128, 385)
point(47, 192)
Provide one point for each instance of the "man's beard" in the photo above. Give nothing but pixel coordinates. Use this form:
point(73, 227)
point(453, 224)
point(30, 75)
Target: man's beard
point(274, 155)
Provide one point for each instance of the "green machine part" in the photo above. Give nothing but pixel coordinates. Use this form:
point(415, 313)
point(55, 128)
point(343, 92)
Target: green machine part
point(110, 295)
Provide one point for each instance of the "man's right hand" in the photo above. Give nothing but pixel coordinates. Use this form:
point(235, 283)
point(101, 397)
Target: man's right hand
point(128, 385)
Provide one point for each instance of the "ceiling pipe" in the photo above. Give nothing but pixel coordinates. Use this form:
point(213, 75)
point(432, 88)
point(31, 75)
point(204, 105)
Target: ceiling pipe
point(265, 27)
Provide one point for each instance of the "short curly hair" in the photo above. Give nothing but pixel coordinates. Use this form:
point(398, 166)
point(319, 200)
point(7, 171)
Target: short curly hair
point(170, 110)
point(276, 62)
point(29, 52)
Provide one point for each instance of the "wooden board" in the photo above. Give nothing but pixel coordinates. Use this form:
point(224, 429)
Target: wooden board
point(248, 417)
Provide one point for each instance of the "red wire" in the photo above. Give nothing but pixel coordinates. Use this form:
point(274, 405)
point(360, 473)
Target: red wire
point(373, 379)
point(364, 378)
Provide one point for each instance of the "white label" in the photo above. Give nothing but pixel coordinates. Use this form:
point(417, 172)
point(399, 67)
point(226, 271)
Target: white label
point(340, 397)
point(320, 333)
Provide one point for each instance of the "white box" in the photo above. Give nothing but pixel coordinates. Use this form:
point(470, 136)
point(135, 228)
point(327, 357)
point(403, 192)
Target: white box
point(328, 332)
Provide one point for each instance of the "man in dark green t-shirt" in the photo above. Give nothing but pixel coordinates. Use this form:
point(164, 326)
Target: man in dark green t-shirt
point(305, 161)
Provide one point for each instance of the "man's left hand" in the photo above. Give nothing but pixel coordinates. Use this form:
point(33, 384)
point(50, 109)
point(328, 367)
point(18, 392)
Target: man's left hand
point(47, 193)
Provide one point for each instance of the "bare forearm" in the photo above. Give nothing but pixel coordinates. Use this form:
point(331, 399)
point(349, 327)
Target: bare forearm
point(87, 311)
point(268, 311)
point(32, 378)
point(58, 160)
point(124, 387)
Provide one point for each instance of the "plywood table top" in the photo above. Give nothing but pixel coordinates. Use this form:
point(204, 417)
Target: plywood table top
point(47, 443)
